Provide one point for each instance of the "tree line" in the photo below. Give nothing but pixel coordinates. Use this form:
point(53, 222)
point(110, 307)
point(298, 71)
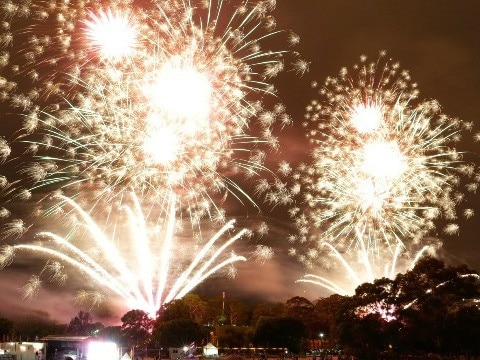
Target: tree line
point(431, 309)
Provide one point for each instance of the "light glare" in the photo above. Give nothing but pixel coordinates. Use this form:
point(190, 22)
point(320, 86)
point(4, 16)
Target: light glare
point(99, 350)
point(366, 118)
point(112, 33)
point(383, 160)
point(181, 92)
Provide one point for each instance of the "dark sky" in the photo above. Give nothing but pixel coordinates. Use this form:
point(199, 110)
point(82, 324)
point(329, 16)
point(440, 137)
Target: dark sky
point(438, 41)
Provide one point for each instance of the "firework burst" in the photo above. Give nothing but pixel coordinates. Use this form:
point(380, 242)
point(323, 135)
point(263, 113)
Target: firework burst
point(167, 106)
point(159, 99)
point(384, 170)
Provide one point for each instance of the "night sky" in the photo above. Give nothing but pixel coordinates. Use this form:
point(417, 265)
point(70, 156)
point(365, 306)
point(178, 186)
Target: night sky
point(438, 41)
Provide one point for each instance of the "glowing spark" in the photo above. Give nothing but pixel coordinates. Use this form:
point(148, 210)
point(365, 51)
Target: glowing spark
point(263, 253)
point(56, 269)
point(161, 144)
point(180, 91)
point(14, 228)
point(4, 150)
point(94, 298)
point(383, 160)
point(387, 181)
point(112, 33)
point(31, 289)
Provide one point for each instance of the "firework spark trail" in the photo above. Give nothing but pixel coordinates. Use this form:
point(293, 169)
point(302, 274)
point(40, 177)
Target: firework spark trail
point(365, 272)
point(383, 170)
point(144, 284)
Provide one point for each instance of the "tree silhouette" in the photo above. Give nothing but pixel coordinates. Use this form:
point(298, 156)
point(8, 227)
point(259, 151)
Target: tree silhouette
point(83, 325)
point(136, 327)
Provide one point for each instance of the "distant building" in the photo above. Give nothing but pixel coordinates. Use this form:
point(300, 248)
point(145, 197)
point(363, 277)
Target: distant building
point(65, 347)
point(210, 350)
point(175, 353)
point(78, 348)
point(21, 350)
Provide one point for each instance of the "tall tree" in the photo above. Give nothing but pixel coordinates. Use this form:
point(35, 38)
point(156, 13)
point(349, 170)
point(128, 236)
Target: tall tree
point(6, 327)
point(302, 309)
point(197, 308)
point(215, 310)
point(178, 333)
point(326, 312)
point(234, 336)
point(429, 297)
point(267, 309)
point(136, 327)
point(83, 325)
point(417, 312)
point(464, 331)
point(176, 309)
point(236, 313)
point(280, 332)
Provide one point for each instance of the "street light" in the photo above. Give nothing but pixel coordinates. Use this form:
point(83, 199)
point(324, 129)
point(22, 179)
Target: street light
point(321, 335)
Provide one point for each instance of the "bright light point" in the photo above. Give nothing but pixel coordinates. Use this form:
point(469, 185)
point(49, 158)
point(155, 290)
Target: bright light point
point(382, 164)
point(383, 160)
point(181, 92)
point(161, 145)
point(112, 33)
point(102, 351)
point(366, 118)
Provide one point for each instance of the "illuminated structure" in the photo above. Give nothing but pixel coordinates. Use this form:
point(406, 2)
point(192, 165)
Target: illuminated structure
point(78, 347)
